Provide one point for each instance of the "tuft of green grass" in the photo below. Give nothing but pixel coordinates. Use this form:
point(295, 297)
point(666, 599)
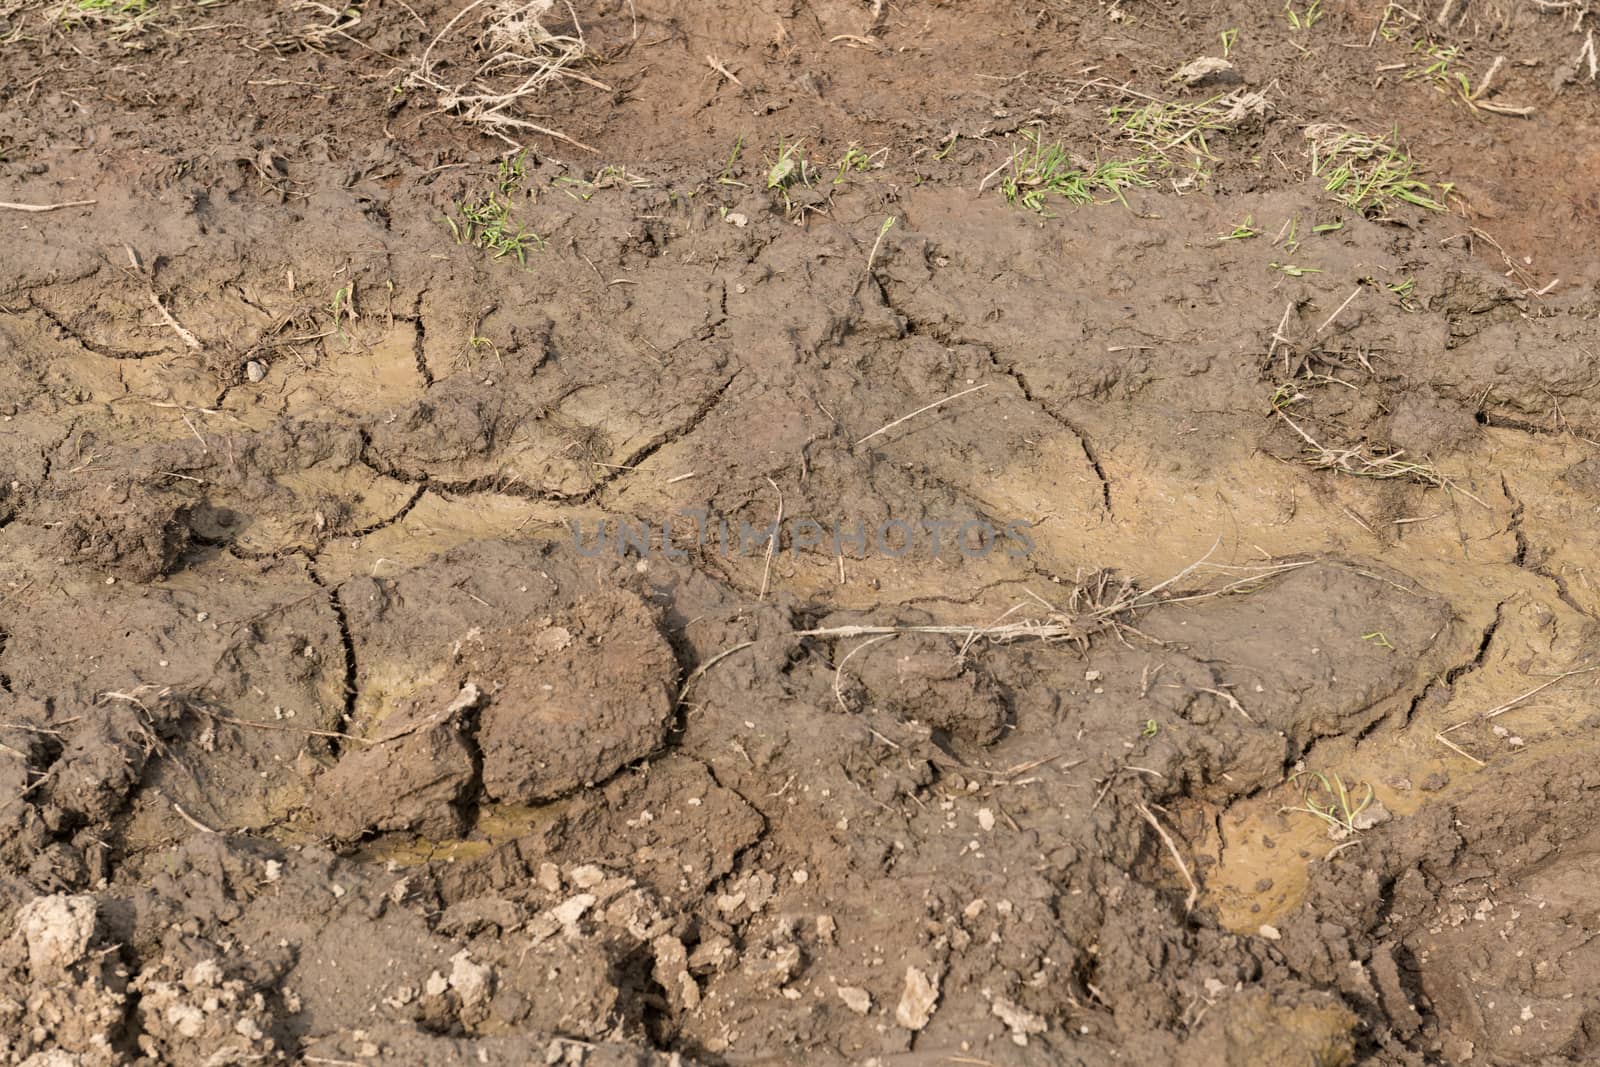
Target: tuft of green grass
point(486, 224)
point(787, 169)
point(1242, 232)
point(1162, 126)
point(787, 166)
point(1229, 38)
point(119, 18)
point(343, 308)
point(1435, 67)
point(1405, 292)
point(1396, 20)
point(607, 177)
point(1331, 800)
point(1379, 638)
point(1038, 171)
point(858, 159)
point(726, 178)
point(1171, 133)
point(1369, 172)
point(1305, 18)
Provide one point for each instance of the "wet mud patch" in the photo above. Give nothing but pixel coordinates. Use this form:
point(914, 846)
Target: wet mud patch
point(446, 611)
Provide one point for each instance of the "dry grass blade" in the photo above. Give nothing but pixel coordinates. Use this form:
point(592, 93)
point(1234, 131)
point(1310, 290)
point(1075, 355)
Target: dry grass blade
point(1097, 605)
point(1494, 713)
point(1177, 857)
point(926, 407)
point(525, 58)
point(1363, 462)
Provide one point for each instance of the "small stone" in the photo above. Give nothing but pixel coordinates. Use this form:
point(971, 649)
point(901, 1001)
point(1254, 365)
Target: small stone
point(1269, 932)
point(569, 911)
point(856, 999)
point(587, 876)
point(917, 1000)
point(1207, 70)
point(471, 981)
point(1370, 816)
point(255, 370)
point(549, 877)
point(985, 819)
point(1019, 1020)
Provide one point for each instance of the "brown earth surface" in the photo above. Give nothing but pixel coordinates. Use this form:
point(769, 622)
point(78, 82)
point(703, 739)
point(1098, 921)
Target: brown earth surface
point(1217, 692)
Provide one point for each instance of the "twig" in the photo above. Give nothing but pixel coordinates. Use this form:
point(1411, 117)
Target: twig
point(695, 675)
point(8, 206)
point(1232, 701)
point(1194, 890)
point(717, 66)
point(469, 697)
point(1457, 749)
point(919, 411)
point(191, 820)
point(838, 672)
point(1278, 338)
point(872, 256)
point(772, 542)
point(1353, 294)
point(177, 327)
point(1502, 709)
point(254, 725)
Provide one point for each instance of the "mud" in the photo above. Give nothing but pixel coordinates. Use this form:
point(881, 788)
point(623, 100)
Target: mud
point(331, 731)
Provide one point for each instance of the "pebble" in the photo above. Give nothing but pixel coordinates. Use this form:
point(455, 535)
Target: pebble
point(255, 370)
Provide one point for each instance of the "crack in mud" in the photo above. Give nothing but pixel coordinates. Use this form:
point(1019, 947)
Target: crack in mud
point(1446, 681)
point(500, 484)
point(385, 523)
point(1515, 524)
point(1091, 451)
point(1566, 429)
point(64, 329)
point(1529, 559)
point(347, 642)
point(418, 344)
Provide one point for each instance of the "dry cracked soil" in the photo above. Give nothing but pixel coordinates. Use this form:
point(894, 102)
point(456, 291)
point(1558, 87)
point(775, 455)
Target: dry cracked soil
point(1178, 421)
